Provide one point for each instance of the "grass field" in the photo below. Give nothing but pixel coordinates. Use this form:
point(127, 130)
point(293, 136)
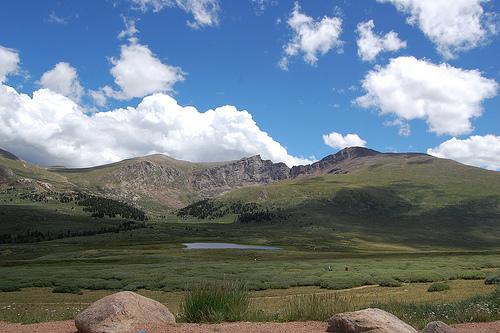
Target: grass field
point(153, 258)
point(41, 304)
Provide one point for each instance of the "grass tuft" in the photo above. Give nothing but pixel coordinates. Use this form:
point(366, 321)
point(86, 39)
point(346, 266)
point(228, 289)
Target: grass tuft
point(214, 302)
point(438, 286)
point(66, 290)
point(390, 283)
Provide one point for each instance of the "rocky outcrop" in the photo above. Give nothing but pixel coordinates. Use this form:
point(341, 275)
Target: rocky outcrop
point(158, 176)
point(255, 171)
point(147, 172)
point(438, 327)
point(368, 321)
point(120, 312)
point(247, 171)
point(155, 177)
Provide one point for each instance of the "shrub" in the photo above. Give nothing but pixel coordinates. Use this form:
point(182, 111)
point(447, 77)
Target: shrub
point(9, 288)
point(390, 283)
point(492, 279)
point(346, 283)
point(471, 275)
point(215, 302)
point(438, 287)
point(66, 290)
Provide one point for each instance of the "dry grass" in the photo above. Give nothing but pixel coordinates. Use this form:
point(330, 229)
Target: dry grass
point(40, 304)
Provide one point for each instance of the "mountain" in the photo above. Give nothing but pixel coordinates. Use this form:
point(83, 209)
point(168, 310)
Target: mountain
point(163, 180)
point(420, 179)
point(160, 181)
point(358, 194)
point(400, 198)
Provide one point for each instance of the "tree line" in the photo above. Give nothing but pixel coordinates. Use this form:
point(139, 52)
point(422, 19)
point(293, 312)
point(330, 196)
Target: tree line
point(33, 236)
point(99, 207)
point(246, 212)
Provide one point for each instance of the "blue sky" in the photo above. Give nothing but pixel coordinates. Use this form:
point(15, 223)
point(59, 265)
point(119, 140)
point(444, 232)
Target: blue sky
point(234, 60)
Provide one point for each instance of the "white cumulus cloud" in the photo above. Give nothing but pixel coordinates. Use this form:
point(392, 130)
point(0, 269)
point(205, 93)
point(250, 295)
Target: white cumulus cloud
point(453, 26)
point(446, 97)
point(337, 140)
point(311, 37)
point(63, 79)
point(49, 128)
point(370, 44)
point(138, 72)
point(9, 62)
point(205, 12)
point(481, 151)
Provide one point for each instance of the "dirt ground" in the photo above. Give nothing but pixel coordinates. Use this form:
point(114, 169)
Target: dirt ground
point(243, 327)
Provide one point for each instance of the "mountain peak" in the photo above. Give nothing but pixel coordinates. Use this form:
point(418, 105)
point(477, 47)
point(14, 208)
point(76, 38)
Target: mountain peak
point(353, 152)
point(331, 163)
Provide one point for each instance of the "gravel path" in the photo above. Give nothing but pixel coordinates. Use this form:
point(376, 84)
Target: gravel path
point(493, 327)
point(243, 327)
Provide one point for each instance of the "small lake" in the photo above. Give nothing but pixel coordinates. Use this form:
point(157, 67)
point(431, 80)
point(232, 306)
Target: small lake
point(219, 246)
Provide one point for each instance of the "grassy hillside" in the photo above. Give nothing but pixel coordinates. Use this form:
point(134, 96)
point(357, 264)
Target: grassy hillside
point(37, 204)
point(31, 173)
point(423, 181)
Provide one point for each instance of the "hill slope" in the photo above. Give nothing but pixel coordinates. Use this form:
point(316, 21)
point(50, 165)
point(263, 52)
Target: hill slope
point(9, 155)
point(422, 180)
point(163, 181)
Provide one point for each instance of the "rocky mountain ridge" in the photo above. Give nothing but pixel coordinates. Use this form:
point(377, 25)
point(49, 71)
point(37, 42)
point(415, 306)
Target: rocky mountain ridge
point(174, 183)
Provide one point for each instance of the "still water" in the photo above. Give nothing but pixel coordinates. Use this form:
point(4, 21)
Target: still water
point(218, 246)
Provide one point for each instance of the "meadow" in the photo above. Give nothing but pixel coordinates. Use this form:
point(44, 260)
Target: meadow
point(153, 262)
point(465, 301)
point(154, 258)
point(341, 250)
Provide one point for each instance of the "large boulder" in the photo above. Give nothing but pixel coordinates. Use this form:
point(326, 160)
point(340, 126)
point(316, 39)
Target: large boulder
point(368, 321)
point(438, 327)
point(119, 312)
